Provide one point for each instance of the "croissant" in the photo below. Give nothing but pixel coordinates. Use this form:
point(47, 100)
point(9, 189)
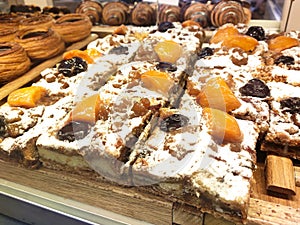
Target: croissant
point(73, 27)
point(13, 61)
point(169, 13)
point(143, 14)
point(227, 11)
point(197, 12)
point(36, 22)
point(115, 13)
point(247, 11)
point(92, 9)
point(40, 43)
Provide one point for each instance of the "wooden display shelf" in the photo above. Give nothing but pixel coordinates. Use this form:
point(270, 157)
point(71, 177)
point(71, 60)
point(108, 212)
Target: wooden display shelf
point(265, 209)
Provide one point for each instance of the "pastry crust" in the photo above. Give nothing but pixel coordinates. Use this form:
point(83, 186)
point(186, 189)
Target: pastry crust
point(40, 43)
point(73, 27)
point(13, 61)
point(36, 22)
point(7, 35)
point(115, 13)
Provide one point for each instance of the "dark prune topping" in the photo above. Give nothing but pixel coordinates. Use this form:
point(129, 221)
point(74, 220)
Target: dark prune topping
point(173, 122)
point(3, 127)
point(120, 50)
point(287, 60)
point(207, 51)
point(74, 131)
point(164, 26)
point(293, 104)
point(256, 32)
point(255, 88)
point(73, 66)
point(165, 66)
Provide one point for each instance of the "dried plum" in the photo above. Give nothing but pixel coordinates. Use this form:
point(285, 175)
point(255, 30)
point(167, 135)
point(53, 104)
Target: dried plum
point(287, 60)
point(73, 66)
point(74, 131)
point(120, 50)
point(165, 66)
point(293, 104)
point(255, 88)
point(3, 127)
point(256, 32)
point(207, 51)
point(173, 122)
point(164, 26)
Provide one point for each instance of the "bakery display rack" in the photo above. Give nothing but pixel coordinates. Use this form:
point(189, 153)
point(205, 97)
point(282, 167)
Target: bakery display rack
point(46, 196)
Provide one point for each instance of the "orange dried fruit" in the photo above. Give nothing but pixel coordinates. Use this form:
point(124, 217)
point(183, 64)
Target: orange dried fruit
point(87, 110)
point(222, 126)
point(280, 43)
point(26, 97)
point(244, 42)
point(223, 32)
point(157, 81)
point(120, 30)
point(216, 94)
point(78, 53)
point(93, 53)
point(168, 51)
point(189, 23)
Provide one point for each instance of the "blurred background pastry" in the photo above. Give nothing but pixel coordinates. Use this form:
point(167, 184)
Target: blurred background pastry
point(92, 9)
point(143, 14)
point(197, 12)
point(13, 61)
point(115, 13)
point(169, 13)
point(227, 12)
point(36, 21)
point(73, 27)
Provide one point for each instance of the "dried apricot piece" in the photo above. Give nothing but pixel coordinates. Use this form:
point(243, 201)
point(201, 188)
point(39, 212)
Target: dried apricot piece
point(157, 81)
point(78, 53)
point(168, 51)
point(189, 23)
point(87, 110)
point(140, 35)
point(280, 43)
point(120, 30)
point(26, 97)
point(93, 53)
point(244, 42)
point(216, 94)
point(222, 126)
point(226, 31)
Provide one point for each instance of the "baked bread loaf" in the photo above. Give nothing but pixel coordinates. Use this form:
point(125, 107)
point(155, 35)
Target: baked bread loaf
point(40, 43)
point(73, 27)
point(13, 61)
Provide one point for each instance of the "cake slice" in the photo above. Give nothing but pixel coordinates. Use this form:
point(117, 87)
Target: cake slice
point(181, 158)
point(283, 135)
point(127, 102)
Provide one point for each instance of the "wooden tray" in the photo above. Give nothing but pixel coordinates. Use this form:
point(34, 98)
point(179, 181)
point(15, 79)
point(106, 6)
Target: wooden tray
point(264, 209)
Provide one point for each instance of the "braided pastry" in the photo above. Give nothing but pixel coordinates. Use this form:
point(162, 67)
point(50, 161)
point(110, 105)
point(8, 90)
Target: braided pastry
point(73, 27)
point(115, 13)
point(169, 13)
point(92, 9)
point(143, 14)
point(197, 12)
point(227, 11)
point(36, 22)
point(13, 61)
point(40, 44)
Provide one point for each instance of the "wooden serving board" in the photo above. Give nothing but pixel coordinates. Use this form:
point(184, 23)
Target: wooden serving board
point(264, 209)
point(35, 71)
